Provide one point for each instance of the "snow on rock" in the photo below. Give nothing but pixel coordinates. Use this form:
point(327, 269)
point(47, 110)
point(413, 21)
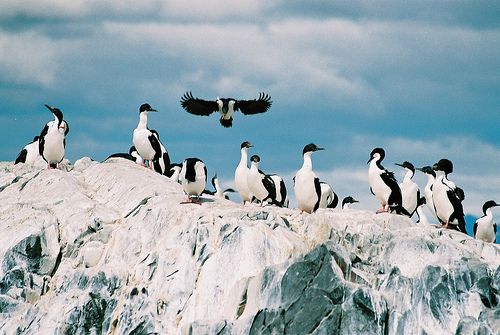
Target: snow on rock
point(107, 248)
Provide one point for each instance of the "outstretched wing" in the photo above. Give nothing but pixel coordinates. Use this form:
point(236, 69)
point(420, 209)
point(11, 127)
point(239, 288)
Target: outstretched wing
point(255, 106)
point(198, 106)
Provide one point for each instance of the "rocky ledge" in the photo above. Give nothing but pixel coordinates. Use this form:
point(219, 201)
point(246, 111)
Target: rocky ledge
point(107, 248)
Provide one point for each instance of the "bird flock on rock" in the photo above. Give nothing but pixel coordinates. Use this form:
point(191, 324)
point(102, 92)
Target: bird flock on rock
point(441, 196)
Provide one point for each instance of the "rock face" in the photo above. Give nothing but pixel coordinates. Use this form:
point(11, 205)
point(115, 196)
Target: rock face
point(107, 248)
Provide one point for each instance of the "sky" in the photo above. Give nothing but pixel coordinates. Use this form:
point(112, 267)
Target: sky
point(419, 79)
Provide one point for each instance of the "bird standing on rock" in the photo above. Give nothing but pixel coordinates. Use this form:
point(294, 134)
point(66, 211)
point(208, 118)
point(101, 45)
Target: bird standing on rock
point(261, 185)
point(240, 175)
point(485, 228)
point(384, 185)
point(306, 186)
point(447, 198)
point(29, 153)
point(193, 178)
point(146, 141)
point(409, 189)
point(52, 139)
point(225, 106)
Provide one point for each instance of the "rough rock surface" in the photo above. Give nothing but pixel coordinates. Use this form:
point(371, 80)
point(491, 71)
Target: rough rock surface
point(107, 248)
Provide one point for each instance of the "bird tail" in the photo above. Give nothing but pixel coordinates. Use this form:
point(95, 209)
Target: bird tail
point(399, 209)
point(226, 123)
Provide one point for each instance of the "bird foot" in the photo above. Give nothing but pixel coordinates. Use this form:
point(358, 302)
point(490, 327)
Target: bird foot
point(191, 201)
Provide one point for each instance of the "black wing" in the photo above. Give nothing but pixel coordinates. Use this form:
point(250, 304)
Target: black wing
point(198, 106)
point(474, 228)
point(41, 139)
point(21, 158)
point(270, 187)
point(155, 143)
point(255, 106)
point(317, 186)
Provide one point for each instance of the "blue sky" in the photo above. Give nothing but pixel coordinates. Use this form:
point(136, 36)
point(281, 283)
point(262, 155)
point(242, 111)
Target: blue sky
point(420, 79)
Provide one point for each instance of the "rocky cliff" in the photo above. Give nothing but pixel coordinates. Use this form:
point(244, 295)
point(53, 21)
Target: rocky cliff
point(107, 248)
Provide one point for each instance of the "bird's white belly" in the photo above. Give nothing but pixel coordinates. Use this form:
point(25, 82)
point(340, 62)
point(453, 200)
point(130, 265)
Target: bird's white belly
point(409, 193)
point(240, 179)
point(379, 188)
point(53, 151)
point(442, 204)
point(485, 231)
point(255, 185)
point(142, 144)
point(305, 190)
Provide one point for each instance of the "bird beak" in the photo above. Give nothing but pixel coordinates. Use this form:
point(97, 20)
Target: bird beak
point(318, 148)
point(51, 108)
point(369, 160)
point(398, 164)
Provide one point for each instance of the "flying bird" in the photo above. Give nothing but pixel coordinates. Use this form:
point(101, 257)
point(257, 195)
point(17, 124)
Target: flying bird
point(225, 106)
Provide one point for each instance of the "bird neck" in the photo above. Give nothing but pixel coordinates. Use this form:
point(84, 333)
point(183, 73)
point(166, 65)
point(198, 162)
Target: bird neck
point(307, 161)
point(143, 120)
point(244, 156)
point(408, 176)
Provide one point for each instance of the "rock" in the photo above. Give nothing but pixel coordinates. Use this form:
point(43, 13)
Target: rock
point(100, 248)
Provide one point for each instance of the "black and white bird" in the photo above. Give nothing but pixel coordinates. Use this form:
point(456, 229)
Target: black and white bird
point(431, 176)
point(281, 199)
point(422, 219)
point(384, 185)
point(132, 155)
point(225, 106)
point(52, 139)
point(175, 171)
point(162, 164)
point(409, 189)
point(261, 185)
point(347, 201)
point(219, 192)
point(447, 198)
point(29, 153)
point(240, 175)
point(485, 228)
point(306, 186)
point(193, 178)
point(328, 198)
point(145, 140)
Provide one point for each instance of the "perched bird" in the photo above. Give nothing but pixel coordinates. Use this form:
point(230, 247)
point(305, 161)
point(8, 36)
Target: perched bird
point(420, 211)
point(485, 228)
point(409, 189)
point(281, 199)
point(193, 178)
point(447, 198)
point(219, 192)
point(261, 185)
point(347, 201)
point(384, 185)
point(307, 187)
point(29, 153)
point(132, 155)
point(52, 141)
point(145, 140)
point(431, 176)
point(175, 171)
point(240, 175)
point(162, 164)
point(226, 107)
point(328, 198)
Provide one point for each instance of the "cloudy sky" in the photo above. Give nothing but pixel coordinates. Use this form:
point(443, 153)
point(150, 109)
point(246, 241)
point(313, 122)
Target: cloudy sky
point(420, 79)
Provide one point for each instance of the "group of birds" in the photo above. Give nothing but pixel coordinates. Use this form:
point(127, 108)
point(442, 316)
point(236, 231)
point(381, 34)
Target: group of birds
point(441, 195)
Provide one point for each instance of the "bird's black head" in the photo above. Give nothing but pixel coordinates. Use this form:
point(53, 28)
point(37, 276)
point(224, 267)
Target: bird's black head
point(444, 165)
point(427, 170)
point(406, 165)
point(374, 153)
point(348, 200)
point(146, 108)
point(311, 147)
point(246, 145)
point(489, 204)
point(255, 159)
point(57, 113)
